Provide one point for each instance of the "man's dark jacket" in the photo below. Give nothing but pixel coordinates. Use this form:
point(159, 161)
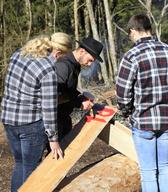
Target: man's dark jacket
point(67, 69)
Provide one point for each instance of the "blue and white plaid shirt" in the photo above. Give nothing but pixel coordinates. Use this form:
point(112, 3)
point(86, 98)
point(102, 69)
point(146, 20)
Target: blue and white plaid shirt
point(31, 93)
point(142, 84)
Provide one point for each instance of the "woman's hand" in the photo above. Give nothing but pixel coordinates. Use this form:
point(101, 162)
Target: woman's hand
point(56, 150)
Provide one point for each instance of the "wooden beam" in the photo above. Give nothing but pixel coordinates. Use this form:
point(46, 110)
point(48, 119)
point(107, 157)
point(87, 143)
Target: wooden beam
point(50, 172)
point(119, 137)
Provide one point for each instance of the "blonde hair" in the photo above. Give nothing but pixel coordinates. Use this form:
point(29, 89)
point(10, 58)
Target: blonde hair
point(42, 45)
point(61, 41)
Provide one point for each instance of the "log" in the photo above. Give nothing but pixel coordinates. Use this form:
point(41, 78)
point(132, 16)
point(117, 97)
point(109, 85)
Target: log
point(114, 174)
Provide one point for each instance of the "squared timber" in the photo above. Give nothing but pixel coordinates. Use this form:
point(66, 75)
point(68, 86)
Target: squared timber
point(119, 137)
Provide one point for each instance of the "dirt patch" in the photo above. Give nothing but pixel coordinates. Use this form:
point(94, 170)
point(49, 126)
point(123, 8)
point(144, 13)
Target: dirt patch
point(97, 152)
point(6, 163)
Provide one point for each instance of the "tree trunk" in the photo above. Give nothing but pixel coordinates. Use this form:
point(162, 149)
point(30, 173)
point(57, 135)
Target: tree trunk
point(29, 14)
point(76, 21)
point(87, 23)
point(158, 22)
point(96, 36)
point(111, 42)
point(92, 19)
point(119, 45)
point(54, 16)
point(3, 27)
point(110, 72)
point(149, 7)
point(3, 57)
point(49, 17)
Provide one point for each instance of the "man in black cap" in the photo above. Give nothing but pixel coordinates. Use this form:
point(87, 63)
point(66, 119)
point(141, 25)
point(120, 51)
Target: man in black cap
point(68, 69)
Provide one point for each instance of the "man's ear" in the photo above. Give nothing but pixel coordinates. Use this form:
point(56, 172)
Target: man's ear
point(82, 50)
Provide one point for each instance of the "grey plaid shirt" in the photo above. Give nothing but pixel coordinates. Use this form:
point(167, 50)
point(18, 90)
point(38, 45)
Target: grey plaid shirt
point(142, 84)
point(31, 93)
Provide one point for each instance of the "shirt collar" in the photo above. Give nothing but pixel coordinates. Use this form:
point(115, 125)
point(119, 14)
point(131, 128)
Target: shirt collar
point(70, 56)
point(52, 58)
point(146, 39)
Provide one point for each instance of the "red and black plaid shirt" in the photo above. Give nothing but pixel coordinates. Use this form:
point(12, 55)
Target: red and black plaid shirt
point(142, 84)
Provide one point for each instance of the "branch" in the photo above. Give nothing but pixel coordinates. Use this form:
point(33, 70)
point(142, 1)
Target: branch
point(120, 28)
point(83, 4)
point(123, 10)
point(164, 10)
point(143, 4)
point(2, 150)
point(149, 11)
point(55, 12)
point(162, 14)
point(165, 2)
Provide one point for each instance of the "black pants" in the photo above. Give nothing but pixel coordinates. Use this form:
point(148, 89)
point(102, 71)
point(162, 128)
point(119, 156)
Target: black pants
point(64, 121)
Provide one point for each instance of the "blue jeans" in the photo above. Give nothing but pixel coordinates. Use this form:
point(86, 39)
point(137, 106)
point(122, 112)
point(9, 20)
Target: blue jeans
point(152, 152)
point(27, 144)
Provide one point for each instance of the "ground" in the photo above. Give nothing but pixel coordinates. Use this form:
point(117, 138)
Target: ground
point(98, 150)
point(6, 163)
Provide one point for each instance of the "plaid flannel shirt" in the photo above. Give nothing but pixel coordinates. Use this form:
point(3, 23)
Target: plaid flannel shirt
point(31, 93)
point(142, 84)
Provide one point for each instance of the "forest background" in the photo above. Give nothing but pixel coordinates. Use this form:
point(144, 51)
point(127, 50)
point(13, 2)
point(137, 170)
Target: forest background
point(105, 20)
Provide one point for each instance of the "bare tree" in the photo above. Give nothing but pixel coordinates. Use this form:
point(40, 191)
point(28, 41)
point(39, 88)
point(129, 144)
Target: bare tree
point(147, 4)
point(3, 57)
point(50, 17)
point(92, 19)
point(149, 7)
point(111, 42)
point(76, 20)
point(29, 14)
point(96, 36)
point(87, 23)
point(54, 16)
point(3, 33)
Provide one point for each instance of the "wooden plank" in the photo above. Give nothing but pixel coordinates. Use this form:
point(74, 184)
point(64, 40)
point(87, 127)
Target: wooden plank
point(50, 172)
point(119, 137)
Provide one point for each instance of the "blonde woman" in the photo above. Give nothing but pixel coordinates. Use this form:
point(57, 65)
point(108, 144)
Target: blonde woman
point(30, 101)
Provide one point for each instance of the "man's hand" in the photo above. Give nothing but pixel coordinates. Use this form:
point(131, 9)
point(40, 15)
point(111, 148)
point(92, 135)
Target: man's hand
point(56, 150)
point(87, 105)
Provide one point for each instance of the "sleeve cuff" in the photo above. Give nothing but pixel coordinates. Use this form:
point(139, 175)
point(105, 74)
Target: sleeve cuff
point(125, 110)
point(52, 135)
